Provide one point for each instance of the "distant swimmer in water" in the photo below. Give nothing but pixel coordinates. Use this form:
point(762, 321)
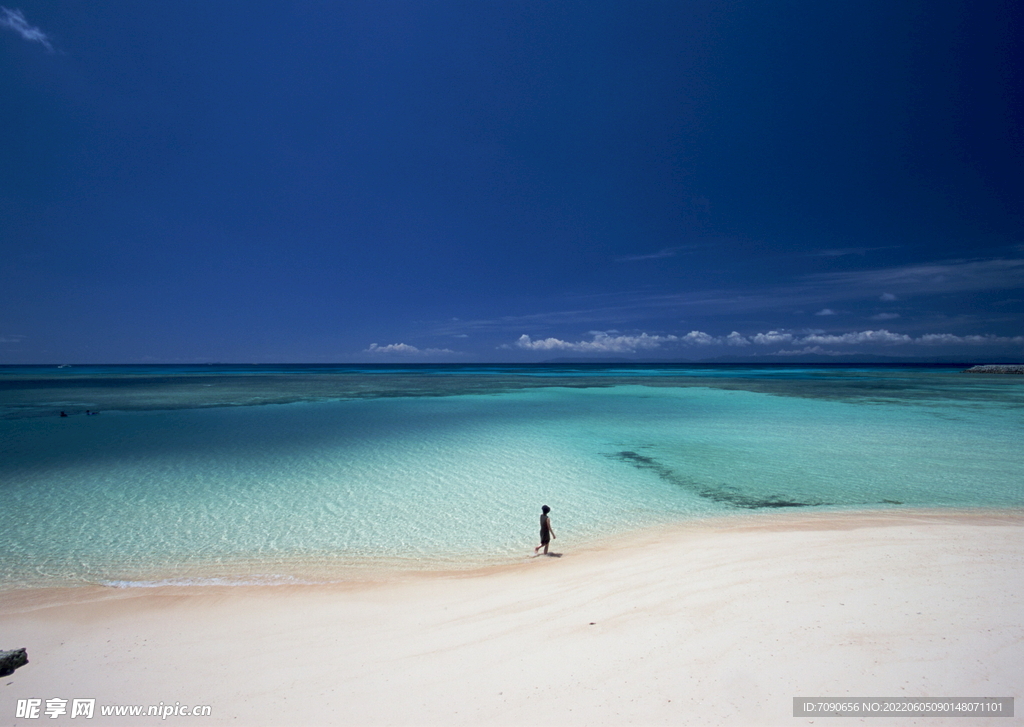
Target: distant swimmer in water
point(63, 413)
point(546, 531)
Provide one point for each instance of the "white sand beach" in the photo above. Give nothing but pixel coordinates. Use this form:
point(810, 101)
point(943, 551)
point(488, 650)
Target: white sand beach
point(713, 623)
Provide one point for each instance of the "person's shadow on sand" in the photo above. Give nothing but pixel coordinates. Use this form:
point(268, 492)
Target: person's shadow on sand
point(549, 555)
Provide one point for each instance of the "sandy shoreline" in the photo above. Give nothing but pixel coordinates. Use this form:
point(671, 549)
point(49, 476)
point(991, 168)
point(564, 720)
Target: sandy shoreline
point(719, 622)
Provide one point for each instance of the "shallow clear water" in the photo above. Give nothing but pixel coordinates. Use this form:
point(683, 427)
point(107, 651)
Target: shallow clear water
point(177, 480)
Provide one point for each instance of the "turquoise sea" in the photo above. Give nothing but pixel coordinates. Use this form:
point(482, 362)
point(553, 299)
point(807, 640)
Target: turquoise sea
point(280, 474)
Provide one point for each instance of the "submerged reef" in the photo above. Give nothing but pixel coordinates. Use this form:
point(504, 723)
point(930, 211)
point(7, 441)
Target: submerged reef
point(718, 493)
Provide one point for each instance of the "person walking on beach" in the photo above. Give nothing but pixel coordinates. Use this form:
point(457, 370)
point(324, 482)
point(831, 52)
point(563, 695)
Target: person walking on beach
point(546, 531)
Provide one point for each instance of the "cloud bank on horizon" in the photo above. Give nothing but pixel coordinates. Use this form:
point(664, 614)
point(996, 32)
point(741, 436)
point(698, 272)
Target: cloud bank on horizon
point(404, 349)
point(811, 342)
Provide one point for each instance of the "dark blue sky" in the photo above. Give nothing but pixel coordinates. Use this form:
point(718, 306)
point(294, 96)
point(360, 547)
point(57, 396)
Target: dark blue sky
point(510, 181)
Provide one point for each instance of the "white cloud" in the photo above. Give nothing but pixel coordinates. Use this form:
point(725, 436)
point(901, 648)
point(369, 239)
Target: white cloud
point(772, 337)
point(947, 338)
point(392, 348)
point(607, 342)
point(812, 340)
point(884, 316)
point(807, 341)
point(14, 20)
point(942, 338)
point(11, 339)
point(700, 338)
point(888, 337)
point(879, 336)
point(602, 342)
point(888, 297)
point(546, 344)
point(825, 312)
point(406, 349)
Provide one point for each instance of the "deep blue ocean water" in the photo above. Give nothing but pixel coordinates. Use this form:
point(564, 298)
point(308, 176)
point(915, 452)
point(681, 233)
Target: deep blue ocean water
point(212, 474)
